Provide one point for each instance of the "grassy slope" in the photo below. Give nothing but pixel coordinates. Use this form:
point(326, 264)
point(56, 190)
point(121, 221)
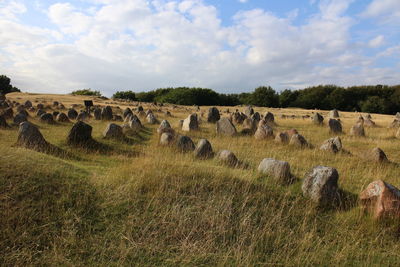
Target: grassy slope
point(159, 207)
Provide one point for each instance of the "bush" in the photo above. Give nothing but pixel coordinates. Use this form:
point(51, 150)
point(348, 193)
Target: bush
point(89, 92)
point(128, 95)
point(5, 85)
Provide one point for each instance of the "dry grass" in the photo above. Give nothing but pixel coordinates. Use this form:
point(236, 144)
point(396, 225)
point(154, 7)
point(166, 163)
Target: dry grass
point(160, 207)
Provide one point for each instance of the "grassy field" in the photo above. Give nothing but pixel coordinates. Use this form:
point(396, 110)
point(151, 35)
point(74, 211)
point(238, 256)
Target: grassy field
point(147, 205)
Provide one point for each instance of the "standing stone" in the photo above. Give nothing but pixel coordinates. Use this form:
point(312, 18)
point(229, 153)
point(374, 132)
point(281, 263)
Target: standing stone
point(213, 115)
point(165, 127)
point(225, 127)
point(30, 137)
point(62, 117)
point(3, 123)
point(333, 114)
point(80, 134)
point(249, 111)
point(82, 116)
point(256, 116)
point(28, 104)
point(151, 119)
point(318, 119)
point(227, 157)
point(357, 130)
point(72, 114)
point(278, 170)
point(40, 106)
point(20, 117)
point(127, 112)
point(332, 145)
point(140, 108)
point(47, 118)
point(381, 199)
point(321, 185)
point(298, 140)
point(185, 144)
point(291, 132)
point(8, 113)
point(135, 124)
point(264, 131)
point(107, 113)
point(190, 123)
point(166, 139)
point(117, 118)
point(395, 123)
point(113, 131)
point(377, 155)
point(369, 123)
point(269, 118)
point(335, 126)
point(97, 114)
point(203, 149)
point(40, 112)
point(282, 138)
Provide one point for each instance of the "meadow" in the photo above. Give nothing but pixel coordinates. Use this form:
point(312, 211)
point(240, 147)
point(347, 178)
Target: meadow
point(142, 204)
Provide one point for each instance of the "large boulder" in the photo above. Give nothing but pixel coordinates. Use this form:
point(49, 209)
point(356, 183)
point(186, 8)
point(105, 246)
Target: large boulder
point(28, 104)
point(30, 137)
point(250, 125)
point(203, 149)
point(318, 119)
point(62, 117)
point(151, 118)
point(321, 185)
point(282, 138)
point(47, 118)
point(20, 117)
point(213, 115)
point(334, 114)
point(335, 126)
point(97, 114)
point(165, 127)
point(381, 199)
point(249, 111)
point(82, 116)
point(40, 112)
point(238, 117)
point(225, 127)
point(298, 140)
point(107, 113)
point(127, 112)
point(276, 169)
point(357, 130)
point(80, 135)
point(113, 131)
point(166, 139)
point(395, 123)
point(228, 157)
point(269, 118)
point(333, 145)
point(185, 144)
point(72, 114)
point(191, 123)
point(263, 131)
point(377, 155)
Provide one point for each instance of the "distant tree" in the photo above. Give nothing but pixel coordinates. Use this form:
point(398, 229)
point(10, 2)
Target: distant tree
point(5, 85)
point(375, 104)
point(264, 96)
point(88, 92)
point(128, 95)
point(287, 98)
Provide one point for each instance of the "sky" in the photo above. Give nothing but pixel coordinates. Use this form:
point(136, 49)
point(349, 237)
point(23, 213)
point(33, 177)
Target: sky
point(230, 46)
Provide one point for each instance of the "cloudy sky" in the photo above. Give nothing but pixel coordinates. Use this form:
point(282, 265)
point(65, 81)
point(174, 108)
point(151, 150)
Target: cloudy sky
point(228, 45)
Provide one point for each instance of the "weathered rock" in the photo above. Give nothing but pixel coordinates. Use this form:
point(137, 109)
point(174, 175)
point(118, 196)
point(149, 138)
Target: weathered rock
point(377, 155)
point(333, 145)
point(97, 114)
point(82, 116)
point(369, 123)
point(251, 125)
point(107, 113)
point(321, 185)
point(127, 112)
point(47, 118)
point(40, 106)
point(80, 135)
point(213, 115)
point(263, 132)
point(140, 108)
point(8, 113)
point(190, 123)
point(166, 139)
point(238, 117)
point(395, 123)
point(381, 199)
point(62, 117)
point(357, 130)
point(55, 104)
point(249, 111)
point(3, 123)
point(185, 144)
point(269, 118)
point(55, 113)
point(318, 119)
point(30, 137)
point(165, 127)
point(291, 132)
point(298, 140)
point(282, 138)
point(28, 104)
point(151, 119)
point(72, 114)
point(19, 118)
point(334, 114)
point(278, 170)
point(225, 127)
point(256, 116)
point(203, 149)
point(135, 123)
point(113, 131)
point(40, 112)
point(335, 126)
point(228, 157)
point(117, 118)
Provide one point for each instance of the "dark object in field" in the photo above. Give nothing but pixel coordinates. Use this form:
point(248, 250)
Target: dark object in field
point(225, 127)
point(203, 150)
point(185, 144)
point(213, 115)
point(335, 126)
point(80, 135)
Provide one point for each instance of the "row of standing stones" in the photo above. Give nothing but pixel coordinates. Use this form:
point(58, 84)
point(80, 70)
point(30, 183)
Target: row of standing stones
point(320, 184)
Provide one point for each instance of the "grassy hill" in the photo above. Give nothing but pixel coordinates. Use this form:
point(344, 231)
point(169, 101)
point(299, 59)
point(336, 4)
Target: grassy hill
point(143, 204)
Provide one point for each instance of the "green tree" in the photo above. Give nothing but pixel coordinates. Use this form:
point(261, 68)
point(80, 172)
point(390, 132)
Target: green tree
point(5, 85)
point(287, 98)
point(375, 104)
point(265, 96)
point(89, 92)
point(128, 95)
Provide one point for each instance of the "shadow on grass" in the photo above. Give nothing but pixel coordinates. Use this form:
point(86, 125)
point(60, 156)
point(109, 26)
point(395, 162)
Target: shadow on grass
point(93, 146)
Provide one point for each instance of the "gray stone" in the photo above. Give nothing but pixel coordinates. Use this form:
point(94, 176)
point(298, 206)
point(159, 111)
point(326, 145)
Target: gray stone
point(97, 114)
point(113, 131)
point(269, 118)
point(62, 117)
point(203, 149)
point(47, 118)
point(298, 140)
point(151, 119)
point(213, 115)
point(276, 169)
point(282, 138)
point(80, 134)
point(318, 119)
point(107, 113)
point(30, 137)
point(185, 144)
point(334, 114)
point(264, 131)
point(335, 126)
point(228, 157)
point(225, 127)
point(166, 139)
point(357, 130)
point(332, 145)
point(377, 155)
point(19, 118)
point(190, 123)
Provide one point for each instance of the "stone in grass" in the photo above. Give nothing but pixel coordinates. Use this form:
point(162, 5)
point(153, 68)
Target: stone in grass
point(191, 123)
point(381, 199)
point(225, 127)
point(72, 114)
point(357, 130)
point(185, 144)
point(228, 158)
point(377, 155)
point(20, 117)
point(334, 114)
point(282, 138)
point(203, 149)
point(151, 118)
point(318, 119)
point(3, 123)
point(264, 131)
point(321, 185)
point(62, 117)
point(166, 139)
point(47, 118)
point(165, 127)
point(333, 145)
point(80, 135)
point(213, 115)
point(30, 137)
point(127, 112)
point(278, 170)
point(97, 114)
point(107, 113)
point(298, 140)
point(335, 126)
point(113, 131)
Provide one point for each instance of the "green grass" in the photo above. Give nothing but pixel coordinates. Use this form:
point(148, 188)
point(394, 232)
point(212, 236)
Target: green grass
point(146, 205)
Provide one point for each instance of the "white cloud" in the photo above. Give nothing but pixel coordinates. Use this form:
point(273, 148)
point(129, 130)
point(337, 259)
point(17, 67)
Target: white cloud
point(388, 11)
point(140, 45)
point(377, 41)
point(243, 1)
